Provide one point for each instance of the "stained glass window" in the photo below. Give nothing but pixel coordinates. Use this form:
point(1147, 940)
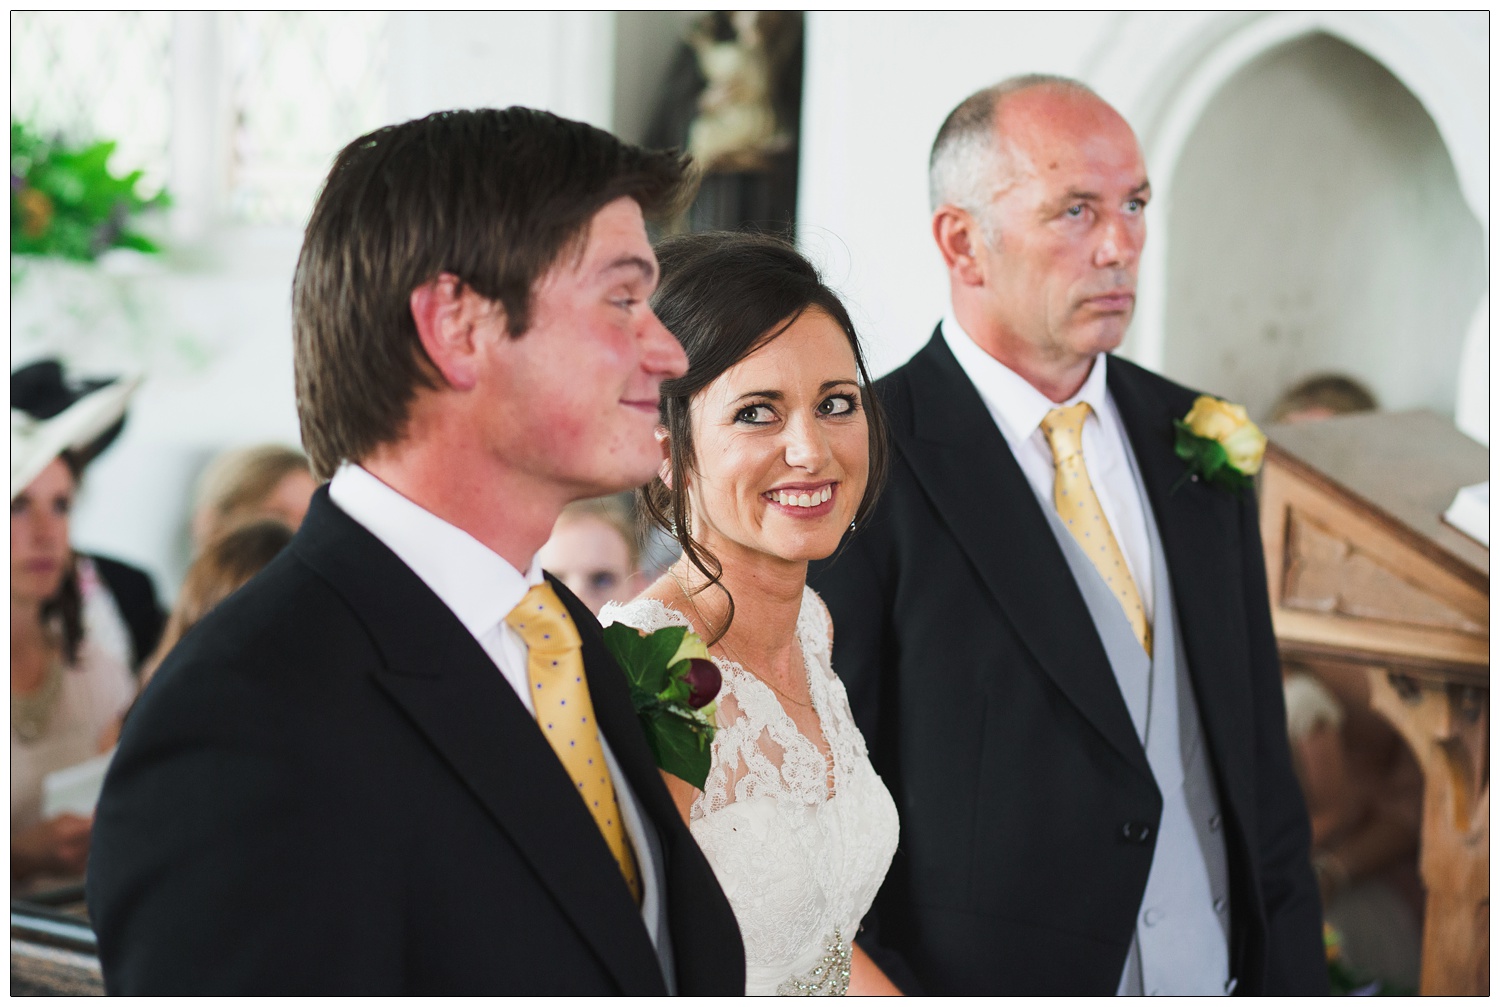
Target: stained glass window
point(302, 84)
point(296, 86)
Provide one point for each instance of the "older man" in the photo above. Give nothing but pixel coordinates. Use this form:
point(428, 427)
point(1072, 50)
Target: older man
point(401, 759)
point(1059, 648)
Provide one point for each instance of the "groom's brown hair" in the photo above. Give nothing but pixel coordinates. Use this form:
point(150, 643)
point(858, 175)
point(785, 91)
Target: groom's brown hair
point(493, 196)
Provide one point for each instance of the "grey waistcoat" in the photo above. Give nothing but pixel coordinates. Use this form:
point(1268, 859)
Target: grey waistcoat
point(1181, 943)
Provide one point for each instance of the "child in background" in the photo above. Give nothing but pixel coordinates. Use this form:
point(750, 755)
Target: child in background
point(595, 551)
point(246, 484)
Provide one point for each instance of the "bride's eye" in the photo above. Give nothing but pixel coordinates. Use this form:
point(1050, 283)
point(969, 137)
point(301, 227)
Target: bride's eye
point(757, 414)
point(838, 405)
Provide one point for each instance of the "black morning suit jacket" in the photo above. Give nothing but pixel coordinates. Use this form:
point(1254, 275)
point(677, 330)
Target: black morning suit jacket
point(328, 787)
point(991, 711)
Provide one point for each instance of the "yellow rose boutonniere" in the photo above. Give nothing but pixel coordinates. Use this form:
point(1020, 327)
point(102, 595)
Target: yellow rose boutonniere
point(1219, 443)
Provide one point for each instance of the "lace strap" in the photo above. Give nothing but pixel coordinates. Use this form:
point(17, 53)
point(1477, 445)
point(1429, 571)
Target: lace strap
point(645, 614)
point(815, 630)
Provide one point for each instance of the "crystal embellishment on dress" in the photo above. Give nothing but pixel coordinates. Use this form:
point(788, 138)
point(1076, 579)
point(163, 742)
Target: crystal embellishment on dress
point(831, 976)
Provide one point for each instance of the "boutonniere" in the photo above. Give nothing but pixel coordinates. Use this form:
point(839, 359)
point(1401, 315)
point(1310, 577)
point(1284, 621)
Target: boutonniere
point(673, 685)
point(1219, 444)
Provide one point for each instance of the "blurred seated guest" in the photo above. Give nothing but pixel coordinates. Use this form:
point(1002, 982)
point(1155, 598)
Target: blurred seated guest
point(595, 551)
point(66, 686)
point(245, 484)
point(1364, 798)
point(128, 619)
point(1322, 396)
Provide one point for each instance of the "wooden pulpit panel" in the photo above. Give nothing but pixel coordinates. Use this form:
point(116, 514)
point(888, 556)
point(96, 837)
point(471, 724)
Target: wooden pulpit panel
point(1362, 570)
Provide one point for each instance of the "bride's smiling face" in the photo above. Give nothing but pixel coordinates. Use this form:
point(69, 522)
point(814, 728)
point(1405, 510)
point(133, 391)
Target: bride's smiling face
point(781, 447)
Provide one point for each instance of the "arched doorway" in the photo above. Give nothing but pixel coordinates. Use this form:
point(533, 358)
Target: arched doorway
point(1164, 70)
point(1316, 224)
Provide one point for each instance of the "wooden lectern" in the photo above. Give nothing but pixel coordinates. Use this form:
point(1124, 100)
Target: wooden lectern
point(1363, 570)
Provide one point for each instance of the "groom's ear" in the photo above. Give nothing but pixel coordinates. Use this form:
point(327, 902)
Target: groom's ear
point(447, 313)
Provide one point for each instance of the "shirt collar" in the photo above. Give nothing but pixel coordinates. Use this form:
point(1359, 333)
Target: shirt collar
point(1014, 402)
point(471, 579)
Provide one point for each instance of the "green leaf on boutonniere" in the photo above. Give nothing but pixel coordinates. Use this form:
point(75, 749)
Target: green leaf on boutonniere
point(1207, 459)
point(644, 659)
point(672, 686)
point(680, 743)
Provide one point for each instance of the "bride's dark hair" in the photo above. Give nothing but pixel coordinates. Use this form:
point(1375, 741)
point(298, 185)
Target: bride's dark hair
point(724, 294)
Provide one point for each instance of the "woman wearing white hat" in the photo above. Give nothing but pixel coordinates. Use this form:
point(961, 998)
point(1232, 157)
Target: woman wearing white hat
point(66, 689)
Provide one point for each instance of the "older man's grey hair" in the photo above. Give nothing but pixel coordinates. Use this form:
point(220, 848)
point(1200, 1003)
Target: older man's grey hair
point(968, 156)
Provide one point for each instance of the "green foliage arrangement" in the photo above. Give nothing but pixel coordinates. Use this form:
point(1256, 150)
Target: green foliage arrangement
point(65, 202)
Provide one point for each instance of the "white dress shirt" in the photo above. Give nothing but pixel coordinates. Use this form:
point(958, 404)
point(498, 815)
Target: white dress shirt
point(480, 588)
point(1018, 410)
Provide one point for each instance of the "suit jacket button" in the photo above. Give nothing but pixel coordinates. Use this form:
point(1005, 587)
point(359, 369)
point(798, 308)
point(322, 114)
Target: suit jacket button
point(1135, 832)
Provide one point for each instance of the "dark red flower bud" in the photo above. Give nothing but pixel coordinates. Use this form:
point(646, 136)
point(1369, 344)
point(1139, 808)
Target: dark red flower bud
point(703, 680)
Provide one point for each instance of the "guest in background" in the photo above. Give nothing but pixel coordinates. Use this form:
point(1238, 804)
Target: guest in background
point(595, 551)
point(1322, 396)
point(224, 565)
point(1364, 796)
point(66, 686)
point(266, 481)
point(128, 618)
point(1362, 784)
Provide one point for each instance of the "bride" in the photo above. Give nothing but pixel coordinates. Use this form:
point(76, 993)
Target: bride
point(773, 449)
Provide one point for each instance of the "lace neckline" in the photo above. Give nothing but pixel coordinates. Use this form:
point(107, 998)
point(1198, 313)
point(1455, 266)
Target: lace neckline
point(745, 677)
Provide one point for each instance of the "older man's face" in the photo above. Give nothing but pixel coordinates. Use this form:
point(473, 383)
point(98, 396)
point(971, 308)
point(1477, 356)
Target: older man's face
point(1065, 229)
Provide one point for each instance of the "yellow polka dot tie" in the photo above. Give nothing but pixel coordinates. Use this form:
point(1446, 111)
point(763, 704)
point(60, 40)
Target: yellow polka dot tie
point(1078, 506)
point(564, 712)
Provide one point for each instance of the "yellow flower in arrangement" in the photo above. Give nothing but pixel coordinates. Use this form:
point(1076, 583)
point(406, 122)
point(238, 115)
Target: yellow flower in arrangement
point(1219, 443)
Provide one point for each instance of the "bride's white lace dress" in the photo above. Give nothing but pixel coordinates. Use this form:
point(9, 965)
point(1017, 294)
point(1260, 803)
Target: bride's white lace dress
point(799, 864)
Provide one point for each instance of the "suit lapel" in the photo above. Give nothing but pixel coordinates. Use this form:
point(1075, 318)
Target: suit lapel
point(1198, 526)
point(617, 719)
point(978, 489)
point(451, 690)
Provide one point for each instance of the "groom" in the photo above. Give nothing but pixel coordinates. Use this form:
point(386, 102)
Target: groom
point(1062, 661)
point(401, 760)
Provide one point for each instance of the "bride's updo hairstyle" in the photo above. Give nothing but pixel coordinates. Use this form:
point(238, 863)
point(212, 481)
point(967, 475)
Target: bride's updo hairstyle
point(725, 294)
